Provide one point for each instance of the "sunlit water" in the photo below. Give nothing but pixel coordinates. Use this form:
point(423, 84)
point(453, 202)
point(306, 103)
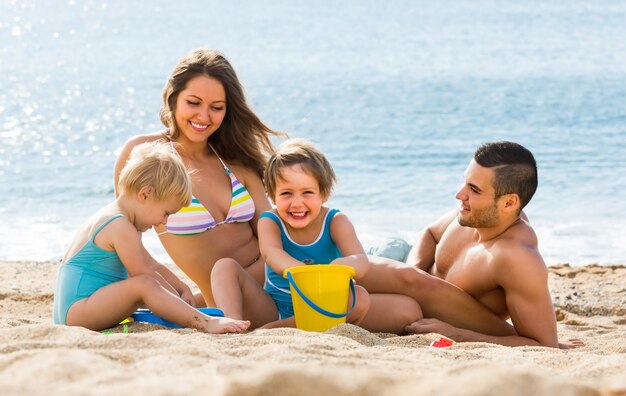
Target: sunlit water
point(398, 95)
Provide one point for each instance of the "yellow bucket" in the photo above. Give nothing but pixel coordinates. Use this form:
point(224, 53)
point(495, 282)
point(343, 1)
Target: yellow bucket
point(319, 293)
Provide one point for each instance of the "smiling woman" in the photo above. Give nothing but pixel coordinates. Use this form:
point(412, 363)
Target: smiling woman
point(200, 108)
point(212, 128)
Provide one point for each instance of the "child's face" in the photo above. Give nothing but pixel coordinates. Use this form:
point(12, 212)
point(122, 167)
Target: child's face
point(155, 213)
point(298, 198)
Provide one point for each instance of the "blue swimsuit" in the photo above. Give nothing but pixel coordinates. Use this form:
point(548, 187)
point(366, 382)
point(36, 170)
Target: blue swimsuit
point(322, 251)
point(90, 269)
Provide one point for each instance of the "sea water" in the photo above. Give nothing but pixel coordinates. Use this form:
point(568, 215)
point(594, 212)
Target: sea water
point(398, 95)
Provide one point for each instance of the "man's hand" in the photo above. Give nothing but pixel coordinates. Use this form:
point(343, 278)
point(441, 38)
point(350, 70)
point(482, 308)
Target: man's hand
point(571, 343)
point(424, 326)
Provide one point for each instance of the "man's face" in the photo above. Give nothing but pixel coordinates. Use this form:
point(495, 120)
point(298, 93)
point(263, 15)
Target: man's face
point(478, 206)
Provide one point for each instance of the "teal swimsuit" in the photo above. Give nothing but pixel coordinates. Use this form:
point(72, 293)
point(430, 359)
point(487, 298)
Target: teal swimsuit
point(322, 251)
point(87, 271)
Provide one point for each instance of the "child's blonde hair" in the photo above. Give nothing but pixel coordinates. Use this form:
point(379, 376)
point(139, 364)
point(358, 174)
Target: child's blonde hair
point(156, 165)
point(310, 158)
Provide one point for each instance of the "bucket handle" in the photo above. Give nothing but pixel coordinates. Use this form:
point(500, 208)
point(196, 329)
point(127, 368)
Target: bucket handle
point(321, 310)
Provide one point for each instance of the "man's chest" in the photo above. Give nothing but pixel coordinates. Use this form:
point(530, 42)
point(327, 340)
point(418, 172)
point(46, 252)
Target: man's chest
point(462, 261)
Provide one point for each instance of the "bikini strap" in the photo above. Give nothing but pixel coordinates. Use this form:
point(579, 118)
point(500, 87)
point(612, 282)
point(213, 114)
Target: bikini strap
point(219, 158)
point(104, 224)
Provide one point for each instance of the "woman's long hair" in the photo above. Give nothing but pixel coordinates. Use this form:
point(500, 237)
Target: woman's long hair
point(241, 138)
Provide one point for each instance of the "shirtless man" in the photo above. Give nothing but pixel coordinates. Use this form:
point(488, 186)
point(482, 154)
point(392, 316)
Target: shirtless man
point(479, 265)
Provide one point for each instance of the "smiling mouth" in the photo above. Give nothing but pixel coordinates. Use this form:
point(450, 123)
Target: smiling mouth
point(298, 215)
point(201, 127)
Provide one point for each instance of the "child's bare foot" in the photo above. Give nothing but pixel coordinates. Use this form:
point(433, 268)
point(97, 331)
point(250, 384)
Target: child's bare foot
point(215, 325)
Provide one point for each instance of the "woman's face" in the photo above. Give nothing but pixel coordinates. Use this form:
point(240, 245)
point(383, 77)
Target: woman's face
point(200, 108)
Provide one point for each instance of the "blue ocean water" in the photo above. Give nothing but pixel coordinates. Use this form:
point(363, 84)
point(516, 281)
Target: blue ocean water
point(398, 95)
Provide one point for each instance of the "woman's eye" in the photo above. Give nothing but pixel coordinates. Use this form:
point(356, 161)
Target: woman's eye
point(192, 103)
point(217, 108)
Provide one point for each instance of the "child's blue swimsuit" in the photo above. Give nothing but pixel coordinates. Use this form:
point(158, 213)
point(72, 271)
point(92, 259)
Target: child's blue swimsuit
point(322, 251)
point(90, 269)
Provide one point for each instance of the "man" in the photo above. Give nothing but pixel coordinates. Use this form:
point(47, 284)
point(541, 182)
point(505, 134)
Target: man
point(479, 265)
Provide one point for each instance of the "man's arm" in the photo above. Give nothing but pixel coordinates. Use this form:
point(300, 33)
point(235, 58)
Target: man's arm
point(422, 254)
point(523, 275)
point(521, 272)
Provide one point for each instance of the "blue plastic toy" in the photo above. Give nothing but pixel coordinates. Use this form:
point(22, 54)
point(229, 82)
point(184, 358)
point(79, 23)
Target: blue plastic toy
point(145, 315)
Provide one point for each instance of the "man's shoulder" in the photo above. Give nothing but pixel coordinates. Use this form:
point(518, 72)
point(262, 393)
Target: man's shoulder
point(519, 235)
point(517, 246)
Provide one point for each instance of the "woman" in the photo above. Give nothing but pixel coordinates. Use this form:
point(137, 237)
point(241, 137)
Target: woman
point(225, 145)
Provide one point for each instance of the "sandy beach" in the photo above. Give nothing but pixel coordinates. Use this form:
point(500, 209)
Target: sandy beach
point(41, 358)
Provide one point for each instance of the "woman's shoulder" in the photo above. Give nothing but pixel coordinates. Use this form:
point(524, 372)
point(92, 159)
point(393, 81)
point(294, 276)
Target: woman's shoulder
point(124, 153)
point(137, 140)
point(146, 138)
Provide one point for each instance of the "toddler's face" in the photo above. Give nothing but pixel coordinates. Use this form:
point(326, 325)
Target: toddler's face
point(298, 198)
point(155, 213)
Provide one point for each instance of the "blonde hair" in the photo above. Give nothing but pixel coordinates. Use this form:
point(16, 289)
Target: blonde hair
point(242, 138)
point(310, 158)
point(156, 165)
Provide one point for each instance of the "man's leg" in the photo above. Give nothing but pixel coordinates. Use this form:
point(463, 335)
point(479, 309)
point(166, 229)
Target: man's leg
point(437, 298)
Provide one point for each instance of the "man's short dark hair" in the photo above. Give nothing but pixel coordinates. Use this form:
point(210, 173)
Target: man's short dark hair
point(515, 169)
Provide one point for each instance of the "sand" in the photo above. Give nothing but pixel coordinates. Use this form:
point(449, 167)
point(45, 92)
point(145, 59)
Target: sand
point(38, 357)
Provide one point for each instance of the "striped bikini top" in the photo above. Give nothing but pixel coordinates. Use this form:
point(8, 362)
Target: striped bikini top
point(195, 218)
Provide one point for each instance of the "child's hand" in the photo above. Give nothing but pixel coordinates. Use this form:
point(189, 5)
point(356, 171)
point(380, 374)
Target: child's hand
point(361, 267)
point(187, 296)
point(357, 261)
